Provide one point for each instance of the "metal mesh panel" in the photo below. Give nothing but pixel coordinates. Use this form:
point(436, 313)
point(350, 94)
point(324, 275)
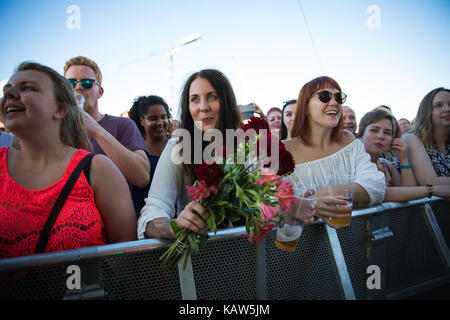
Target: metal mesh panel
point(139, 276)
point(441, 211)
point(42, 283)
point(306, 273)
point(225, 269)
point(412, 257)
point(354, 244)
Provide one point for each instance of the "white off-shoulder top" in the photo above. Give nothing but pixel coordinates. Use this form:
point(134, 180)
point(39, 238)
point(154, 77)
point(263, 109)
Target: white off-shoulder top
point(351, 160)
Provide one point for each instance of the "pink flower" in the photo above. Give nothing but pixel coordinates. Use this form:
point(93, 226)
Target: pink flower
point(201, 191)
point(285, 195)
point(267, 177)
point(267, 212)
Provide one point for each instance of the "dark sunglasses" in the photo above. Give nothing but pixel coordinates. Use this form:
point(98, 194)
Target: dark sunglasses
point(86, 83)
point(325, 96)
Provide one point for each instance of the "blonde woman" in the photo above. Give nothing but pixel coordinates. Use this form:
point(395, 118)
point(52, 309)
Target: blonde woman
point(39, 108)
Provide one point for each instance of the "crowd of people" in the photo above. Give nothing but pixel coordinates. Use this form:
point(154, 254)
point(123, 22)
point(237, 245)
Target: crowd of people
point(73, 177)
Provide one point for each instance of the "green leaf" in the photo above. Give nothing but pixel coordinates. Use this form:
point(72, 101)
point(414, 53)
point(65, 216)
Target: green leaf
point(212, 223)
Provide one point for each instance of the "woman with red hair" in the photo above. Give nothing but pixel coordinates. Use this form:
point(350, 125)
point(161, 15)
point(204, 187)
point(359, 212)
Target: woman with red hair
point(321, 147)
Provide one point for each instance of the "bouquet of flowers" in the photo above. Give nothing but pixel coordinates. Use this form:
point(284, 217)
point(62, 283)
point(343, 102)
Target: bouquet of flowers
point(232, 190)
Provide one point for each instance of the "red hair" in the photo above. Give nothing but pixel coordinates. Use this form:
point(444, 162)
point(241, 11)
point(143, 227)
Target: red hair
point(301, 125)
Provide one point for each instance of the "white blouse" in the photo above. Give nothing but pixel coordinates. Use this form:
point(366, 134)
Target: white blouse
point(168, 195)
point(352, 160)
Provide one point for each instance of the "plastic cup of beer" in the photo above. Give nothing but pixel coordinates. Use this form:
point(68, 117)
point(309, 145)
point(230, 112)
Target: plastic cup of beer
point(341, 187)
point(291, 227)
point(287, 236)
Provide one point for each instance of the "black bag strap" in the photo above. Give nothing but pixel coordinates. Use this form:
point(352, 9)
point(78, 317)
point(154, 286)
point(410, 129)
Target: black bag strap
point(45, 232)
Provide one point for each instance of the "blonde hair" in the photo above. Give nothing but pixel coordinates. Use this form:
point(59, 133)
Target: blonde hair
point(72, 131)
point(423, 123)
point(83, 61)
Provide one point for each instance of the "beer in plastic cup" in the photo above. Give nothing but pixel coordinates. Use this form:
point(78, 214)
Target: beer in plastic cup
point(287, 237)
point(341, 187)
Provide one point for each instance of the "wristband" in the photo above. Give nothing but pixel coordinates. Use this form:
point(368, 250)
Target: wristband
point(430, 190)
point(405, 166)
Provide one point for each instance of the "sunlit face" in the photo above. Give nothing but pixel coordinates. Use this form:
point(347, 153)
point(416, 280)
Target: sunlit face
point(274, 120)
point(324, 114)
point(404, 125)
point(29, 101)
point(155, 123)
point(204, 104)
point(377, 138)
point(441, 109)
point(348, 117)
point(91, 95)
point(288, 116)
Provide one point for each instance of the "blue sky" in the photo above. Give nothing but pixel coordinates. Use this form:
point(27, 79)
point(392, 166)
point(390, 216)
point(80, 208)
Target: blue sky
point(263, 46)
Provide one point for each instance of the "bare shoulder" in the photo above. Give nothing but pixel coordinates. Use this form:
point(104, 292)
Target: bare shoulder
point(102, 169)
point(346, 137)
point(292, 144)
point(411, 139)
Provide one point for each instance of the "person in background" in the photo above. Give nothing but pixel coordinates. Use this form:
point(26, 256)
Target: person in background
point(207, 102)
point(39, 108)
point(349, 118)
point(320, 147)
point(287, 118)
point(274, 120)
point(376, 131)
point(405, 125)
point(429, 143)
point(152, 117)
point(6, 139)
point(116, 137)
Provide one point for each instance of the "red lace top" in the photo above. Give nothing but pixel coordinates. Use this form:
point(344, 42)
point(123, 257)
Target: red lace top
point(24, 212)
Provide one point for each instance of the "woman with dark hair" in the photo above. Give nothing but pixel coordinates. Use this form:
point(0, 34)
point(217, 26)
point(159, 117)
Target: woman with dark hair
point(321, 147)
point(287, 118)
point(429, 143)
point(377, 131)
point(151, 115)
point(207, 102)
point(39, 108)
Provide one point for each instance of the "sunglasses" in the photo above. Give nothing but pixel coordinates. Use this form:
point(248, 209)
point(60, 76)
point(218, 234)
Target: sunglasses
point(325, 96)
point(86, 83)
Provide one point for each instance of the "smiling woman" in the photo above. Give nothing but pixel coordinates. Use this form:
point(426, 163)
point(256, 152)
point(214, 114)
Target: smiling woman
point(207, 102)
point(39, 108)
point(321, 147)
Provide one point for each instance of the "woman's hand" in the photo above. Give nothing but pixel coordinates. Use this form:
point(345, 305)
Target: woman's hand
point(329, 208)
point(400, 149)
point(193, 217)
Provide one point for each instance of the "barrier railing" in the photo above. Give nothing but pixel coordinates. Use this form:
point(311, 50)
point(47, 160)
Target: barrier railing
point(389, 251)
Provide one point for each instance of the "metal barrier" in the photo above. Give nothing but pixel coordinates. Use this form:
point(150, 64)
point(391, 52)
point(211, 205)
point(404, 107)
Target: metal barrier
point(389, 251)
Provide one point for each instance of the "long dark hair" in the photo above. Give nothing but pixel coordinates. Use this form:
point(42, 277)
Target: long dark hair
point(229, 112)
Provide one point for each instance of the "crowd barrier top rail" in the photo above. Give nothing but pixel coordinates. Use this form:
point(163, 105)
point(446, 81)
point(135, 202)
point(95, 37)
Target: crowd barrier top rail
point(93, 252)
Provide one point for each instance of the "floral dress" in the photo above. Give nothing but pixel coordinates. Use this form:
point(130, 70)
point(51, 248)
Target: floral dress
point(439, 160)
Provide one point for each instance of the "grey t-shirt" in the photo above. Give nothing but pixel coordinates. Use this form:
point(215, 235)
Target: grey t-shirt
point(124, 130)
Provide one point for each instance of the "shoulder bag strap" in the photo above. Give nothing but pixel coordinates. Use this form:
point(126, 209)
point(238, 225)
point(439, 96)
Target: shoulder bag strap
point(45, 232)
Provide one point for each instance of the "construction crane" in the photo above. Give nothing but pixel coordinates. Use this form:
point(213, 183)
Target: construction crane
point(170, 52)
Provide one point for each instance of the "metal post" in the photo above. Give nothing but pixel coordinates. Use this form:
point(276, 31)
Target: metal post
point(187, 282)
point(261, 271)
point(344, 281)
point(437, 236)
